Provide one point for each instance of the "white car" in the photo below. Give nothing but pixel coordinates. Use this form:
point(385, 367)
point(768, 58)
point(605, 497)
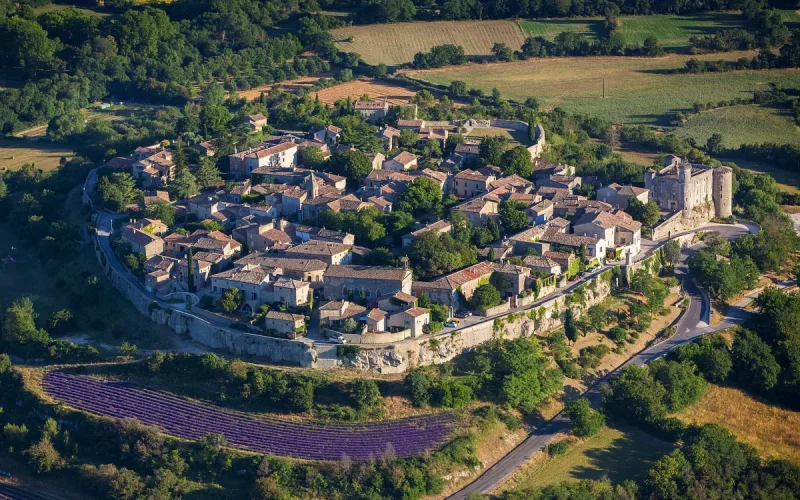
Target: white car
point(338, 340)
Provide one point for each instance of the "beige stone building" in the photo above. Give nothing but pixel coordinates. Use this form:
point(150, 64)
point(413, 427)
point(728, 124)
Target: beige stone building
point(371, 282)
point(682, 186)
point(142, 242)
point(284, 322)
point(618, 196)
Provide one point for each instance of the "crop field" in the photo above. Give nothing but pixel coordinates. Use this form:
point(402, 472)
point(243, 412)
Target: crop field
point(735, 124)
point(617, 453)
point(394, 44)
point(515, 136)
point(673, 32)
point(773, 431)
point(14, 153)
point(637, 90)
point(192, 420)
point(396, 94)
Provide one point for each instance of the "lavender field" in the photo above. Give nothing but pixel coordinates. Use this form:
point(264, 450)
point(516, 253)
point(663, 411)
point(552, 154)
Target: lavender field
point(191, 420)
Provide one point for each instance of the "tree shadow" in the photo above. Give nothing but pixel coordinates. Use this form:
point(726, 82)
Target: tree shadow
point(629, 456)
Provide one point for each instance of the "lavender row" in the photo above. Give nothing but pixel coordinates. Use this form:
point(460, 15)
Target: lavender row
point(191, 420)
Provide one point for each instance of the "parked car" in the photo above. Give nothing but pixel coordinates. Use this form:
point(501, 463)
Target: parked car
point(338, 340)
point(451, 324)
point(464, 314)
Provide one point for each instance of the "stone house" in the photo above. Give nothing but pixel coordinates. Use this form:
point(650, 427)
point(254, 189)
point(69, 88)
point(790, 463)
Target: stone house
point(401, 162)
point(540, 212)
point(152, 226)
point(151, 197)
point(291, 292)
point(157, 169)
point(542, 264)
point(333, 314)
point(569, 182)
point(595, 247)
point(448, 289)
point(438, 227)
point(375, 319)
point(284, 322)
point(326, 251)
point(251, 279)
point(510, 279)
point(478, 210)
point(330, 135)
point(437, 134)
point(390, 136)
point(376, 160)
point(308, 233)
point(563, 259)
point(142, 242)
point(281, 156)
point(618, 196)
point(372, 111)
point(441, 178)
point(256, 122)
point(468, 151)
point(309, 270)
point(204, 206)
point(372, 282)
point(469, 183)
point(413, 319)
point(619, 230)
point(529, 239)
point(206, 148)
point(397, 302)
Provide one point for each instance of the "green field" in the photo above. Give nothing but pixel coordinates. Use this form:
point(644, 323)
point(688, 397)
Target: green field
point(616, 453)
point(673, 32)
point(735, 123)
point(637, 90)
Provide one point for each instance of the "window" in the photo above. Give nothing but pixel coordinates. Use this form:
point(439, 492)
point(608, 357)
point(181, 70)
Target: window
point(215, 289)
point(255, 296)
point(345, 291)
point(378, 293)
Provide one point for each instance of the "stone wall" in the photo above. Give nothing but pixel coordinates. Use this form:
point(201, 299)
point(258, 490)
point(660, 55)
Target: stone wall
point(406, 355)
point(208, 334)
point(684, 220)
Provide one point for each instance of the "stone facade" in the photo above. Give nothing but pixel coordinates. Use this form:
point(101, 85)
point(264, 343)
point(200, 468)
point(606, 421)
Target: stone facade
point(682, 186)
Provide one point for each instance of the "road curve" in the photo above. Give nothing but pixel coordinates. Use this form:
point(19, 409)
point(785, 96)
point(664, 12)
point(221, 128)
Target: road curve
point(692, 324)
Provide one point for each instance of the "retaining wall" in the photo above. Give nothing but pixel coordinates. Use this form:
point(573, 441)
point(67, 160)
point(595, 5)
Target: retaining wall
point(684, 221)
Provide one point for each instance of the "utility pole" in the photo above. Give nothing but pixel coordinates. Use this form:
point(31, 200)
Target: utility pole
point(604, 88)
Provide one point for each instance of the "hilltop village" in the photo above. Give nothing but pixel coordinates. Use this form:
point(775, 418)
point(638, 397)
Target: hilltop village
point(259, 248)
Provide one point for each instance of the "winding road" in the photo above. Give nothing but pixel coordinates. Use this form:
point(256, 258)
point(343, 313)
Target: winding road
point(694, 323)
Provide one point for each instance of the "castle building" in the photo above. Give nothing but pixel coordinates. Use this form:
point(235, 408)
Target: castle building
point(682, 186)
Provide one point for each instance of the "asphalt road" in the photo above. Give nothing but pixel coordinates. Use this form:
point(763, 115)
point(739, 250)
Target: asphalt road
point(693, 324)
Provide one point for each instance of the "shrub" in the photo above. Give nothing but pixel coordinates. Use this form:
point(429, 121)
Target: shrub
point(585, 421)
point(558, 448)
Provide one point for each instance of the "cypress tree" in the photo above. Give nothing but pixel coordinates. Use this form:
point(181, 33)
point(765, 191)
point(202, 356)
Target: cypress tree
point(190, 273)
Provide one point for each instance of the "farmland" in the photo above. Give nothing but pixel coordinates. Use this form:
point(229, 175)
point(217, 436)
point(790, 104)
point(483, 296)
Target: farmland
point(191, 420)
point(375, 89)
point(637, 90)
point(14, 153)
point(394, 44)
point(772, 430)
point(735, 124)
point(617, 453)
point(673, 32)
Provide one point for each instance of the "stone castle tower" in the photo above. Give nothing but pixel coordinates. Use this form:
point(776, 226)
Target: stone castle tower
point(723, 191)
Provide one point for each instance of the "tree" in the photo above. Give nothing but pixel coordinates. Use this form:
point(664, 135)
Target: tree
point(585, 421)
point(512, 217)
point(312, 157)
point(671, 252)
point(365, 393)
point(62, 127)
point(753, 361)
point(710, 354)
point(43, 457)
point(19, 323)
point(652, 48)
point(185, 185)
point(458, 88)
point(485, 296)
point(646, 213)
point(190, 270)
point(408, 138)
point(214, 118)
point(492, 148)
point(25, 45)
point(714, 145)
point(517, 160)
point(231, 300)
point(351, 164)
point(161, 210)
point(502, 52)
point(570, 328)
point(118, 191)
point(684, 386)
point(208, 174)
point(423, 195)
point(419, 384)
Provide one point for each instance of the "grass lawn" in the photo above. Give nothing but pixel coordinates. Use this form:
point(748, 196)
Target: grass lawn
point(773, 431)
point(44, 155)
point(397, 43)
point(788, 181)
point(515, 136)
point(638, 90)
point(735, 123)
point(616, 453)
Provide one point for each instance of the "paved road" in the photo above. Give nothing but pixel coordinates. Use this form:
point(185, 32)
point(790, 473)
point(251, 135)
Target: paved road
point(13, 492)
point(693, 324)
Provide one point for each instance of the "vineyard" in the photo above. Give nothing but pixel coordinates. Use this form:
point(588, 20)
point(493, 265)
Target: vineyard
point(192, 420)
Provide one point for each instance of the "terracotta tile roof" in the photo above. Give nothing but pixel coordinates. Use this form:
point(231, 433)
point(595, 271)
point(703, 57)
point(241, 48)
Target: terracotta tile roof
point(139, 237)
point(250, 273)
point(571, 240)
point(284, 282)
point(381, 202)
point(404, 157)
point(608, 220)
point(285, 263)
point(314, 247)
point(367, 272)
point(410, 123)
point(540, 261)
point(376, 314)
point(371, 104)
point(475, 205)
point(439, 226)
point(389, 132)
point(277, 236)
point(408, 299)
point(513, 181)
point(257, 118)
point(472, 149)
point(416, 312)
point(550, 254)
point(471, 175)
point(284, 316)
